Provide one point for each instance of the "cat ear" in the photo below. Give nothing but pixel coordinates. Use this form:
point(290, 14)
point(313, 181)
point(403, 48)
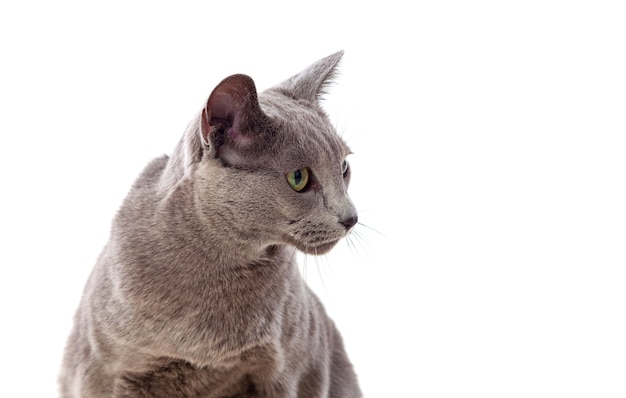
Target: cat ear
point(311, 83)
point(232, 118)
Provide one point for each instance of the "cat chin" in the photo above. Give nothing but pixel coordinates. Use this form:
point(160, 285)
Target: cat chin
point(317, 250)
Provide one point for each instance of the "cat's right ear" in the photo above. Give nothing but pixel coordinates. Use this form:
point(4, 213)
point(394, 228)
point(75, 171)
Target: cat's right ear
point(232, 119)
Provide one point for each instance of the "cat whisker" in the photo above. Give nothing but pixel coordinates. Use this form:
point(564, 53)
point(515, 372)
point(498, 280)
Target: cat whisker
point(351, 246)
point(340, 131)
point(370, 228)
point(328, 264)
point(362, 242)
point(319, 272)
point(360, 238)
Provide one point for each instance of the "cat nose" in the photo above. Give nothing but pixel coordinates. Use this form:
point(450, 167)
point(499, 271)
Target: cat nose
point(349, 222)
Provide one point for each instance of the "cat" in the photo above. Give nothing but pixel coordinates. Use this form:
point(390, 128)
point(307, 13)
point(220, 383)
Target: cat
point(197, 293)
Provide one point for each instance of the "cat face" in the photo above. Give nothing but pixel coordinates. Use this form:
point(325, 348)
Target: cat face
point(315, 166)
point(273, 169)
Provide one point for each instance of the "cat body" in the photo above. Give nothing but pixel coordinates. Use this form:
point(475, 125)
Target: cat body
point(197, 293)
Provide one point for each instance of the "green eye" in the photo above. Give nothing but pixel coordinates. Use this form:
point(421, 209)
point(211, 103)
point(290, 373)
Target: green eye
point(344, 167)
point(298, 179)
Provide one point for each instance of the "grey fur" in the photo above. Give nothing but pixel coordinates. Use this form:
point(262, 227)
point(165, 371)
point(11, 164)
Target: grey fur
point(197, 293)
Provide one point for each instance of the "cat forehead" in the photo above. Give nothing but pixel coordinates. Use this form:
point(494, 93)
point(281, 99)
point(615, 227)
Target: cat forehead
point(306, 134)
point(311, 147)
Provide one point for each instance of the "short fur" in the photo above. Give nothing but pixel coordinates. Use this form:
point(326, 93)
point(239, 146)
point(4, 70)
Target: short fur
point(197, 293)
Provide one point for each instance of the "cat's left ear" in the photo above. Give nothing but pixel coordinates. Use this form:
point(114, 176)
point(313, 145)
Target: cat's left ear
point(232, 121)
point(311, 83)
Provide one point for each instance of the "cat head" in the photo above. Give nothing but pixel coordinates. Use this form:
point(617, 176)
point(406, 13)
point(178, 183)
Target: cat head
point(270, 167)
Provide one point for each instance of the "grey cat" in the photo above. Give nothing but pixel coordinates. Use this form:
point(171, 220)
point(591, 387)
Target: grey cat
point(197, 293)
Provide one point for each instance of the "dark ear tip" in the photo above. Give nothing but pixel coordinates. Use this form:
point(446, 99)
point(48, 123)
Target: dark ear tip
point(237, 84)
point(233, 94)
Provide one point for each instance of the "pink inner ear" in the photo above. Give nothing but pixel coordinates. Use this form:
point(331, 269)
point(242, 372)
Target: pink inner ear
point(234, 134)
point(232, 107)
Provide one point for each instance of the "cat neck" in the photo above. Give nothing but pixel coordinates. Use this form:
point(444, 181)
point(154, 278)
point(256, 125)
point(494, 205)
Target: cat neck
point(207, 237)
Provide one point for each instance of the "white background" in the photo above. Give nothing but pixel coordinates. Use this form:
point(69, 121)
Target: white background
point(489, 155)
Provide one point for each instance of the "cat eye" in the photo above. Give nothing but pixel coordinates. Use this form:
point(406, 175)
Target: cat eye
point(298, 180)
point(344, 167)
